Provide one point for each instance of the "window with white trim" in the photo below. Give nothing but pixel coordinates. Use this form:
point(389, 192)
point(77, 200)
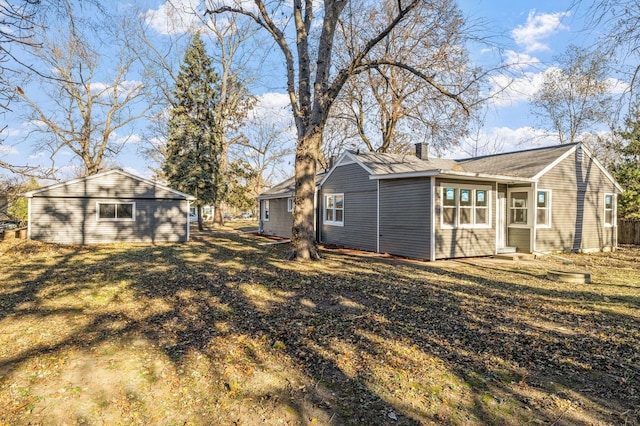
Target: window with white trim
point(265, 210)
point(609, 210)
point(518, 205)
point(115, 211)
point(543, 208)
point(290, 204)
point(334, 209)
point(465, 207)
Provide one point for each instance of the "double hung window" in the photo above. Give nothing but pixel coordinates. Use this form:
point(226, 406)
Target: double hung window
point(543, 209)
point(609, 210)
point(334, 209)
point(518, 208)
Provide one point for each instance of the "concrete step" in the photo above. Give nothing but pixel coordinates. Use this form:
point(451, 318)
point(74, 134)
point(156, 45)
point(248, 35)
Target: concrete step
point(515, 256)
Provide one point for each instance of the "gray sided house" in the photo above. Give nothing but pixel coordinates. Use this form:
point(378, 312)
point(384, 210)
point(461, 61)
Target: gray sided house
point(276, 208)
point(558, 198)
point(114, 206)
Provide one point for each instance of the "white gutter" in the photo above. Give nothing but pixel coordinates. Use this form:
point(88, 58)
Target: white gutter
point(455, 175)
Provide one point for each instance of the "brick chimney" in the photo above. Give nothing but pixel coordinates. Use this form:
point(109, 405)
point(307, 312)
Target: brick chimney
point(422, 150)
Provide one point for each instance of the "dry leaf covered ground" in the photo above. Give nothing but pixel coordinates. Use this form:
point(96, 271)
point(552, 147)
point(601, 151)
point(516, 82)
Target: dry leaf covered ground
point(223, 331)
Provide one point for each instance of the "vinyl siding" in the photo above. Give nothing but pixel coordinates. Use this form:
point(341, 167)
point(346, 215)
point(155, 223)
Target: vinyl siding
point(519, 238)
point(280, 221)
point(464, 242)
point(74, 221)
point(577, 207)
point(112, 185)
point(405, 220)
point(360, 206)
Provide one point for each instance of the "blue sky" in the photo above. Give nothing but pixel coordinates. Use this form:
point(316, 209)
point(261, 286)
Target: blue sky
point(530, 32)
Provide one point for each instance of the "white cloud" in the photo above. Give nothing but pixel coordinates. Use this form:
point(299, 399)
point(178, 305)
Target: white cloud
point(124, 88)
point(36, 155)
point(272, 107)
point(8, 150)
point(518, 60)
point(508, 91)
point(130, 139)
point(176, 17)
point(538, 28)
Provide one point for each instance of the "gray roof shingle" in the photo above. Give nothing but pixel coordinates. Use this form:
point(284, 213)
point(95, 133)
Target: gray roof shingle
point(522, 164)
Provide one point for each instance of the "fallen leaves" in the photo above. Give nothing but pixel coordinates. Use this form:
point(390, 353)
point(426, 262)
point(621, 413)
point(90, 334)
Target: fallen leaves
point(222, 328)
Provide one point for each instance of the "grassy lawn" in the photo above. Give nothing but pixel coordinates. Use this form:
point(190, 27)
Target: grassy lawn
point(223, 331)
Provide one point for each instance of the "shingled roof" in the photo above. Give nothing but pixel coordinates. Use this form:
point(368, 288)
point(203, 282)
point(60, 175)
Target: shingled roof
point(525, 164)
point(286, 188)
point(518, 166)
point(521, 164)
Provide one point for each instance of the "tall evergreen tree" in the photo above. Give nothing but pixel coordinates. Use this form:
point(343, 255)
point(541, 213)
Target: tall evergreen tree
point(194, 145)
point(627, 170)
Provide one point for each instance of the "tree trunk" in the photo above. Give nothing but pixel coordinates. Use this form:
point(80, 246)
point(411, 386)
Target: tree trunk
point(218, 218)
point(199, 209)
point(303, 240)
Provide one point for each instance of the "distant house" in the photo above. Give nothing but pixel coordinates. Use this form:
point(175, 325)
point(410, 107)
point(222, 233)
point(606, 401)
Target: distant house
point(114, 206)
point(276, 208)
point(558, 198)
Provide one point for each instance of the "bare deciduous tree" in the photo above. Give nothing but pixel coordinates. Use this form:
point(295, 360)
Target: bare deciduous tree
point(87, 107)
point(574, 95)
point(388, 106)
point(313, 85)
point(621, 19)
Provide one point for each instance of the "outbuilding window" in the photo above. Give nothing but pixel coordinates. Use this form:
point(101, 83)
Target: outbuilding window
point(265, 210)
point(609, 210)
point(334, 209)
point(116, 211)
point(290, 204)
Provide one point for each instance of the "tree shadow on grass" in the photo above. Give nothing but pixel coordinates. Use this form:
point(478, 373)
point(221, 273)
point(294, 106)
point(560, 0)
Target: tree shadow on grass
point(350, 341)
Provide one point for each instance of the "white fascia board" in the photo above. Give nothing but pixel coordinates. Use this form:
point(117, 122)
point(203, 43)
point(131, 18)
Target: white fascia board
point(602, 168)
point(555, 162)
point(427, 173)
point(30, 194)
point(454, 175)
point(485, 176)
point(276, 196)
point(345, 159)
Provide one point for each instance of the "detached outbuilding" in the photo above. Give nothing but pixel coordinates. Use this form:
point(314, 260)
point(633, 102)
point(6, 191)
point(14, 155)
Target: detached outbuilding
point(113, 206)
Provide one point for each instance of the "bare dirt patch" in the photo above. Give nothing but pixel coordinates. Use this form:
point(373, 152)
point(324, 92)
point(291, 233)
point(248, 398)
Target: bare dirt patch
point(222, 330)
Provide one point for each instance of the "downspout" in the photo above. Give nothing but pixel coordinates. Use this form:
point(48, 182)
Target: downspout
point(432, 236)
point(534, 216)
point(495, 214)
point(378, 216)
point(315, 215)
point(188, 221)
point(29, 218)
